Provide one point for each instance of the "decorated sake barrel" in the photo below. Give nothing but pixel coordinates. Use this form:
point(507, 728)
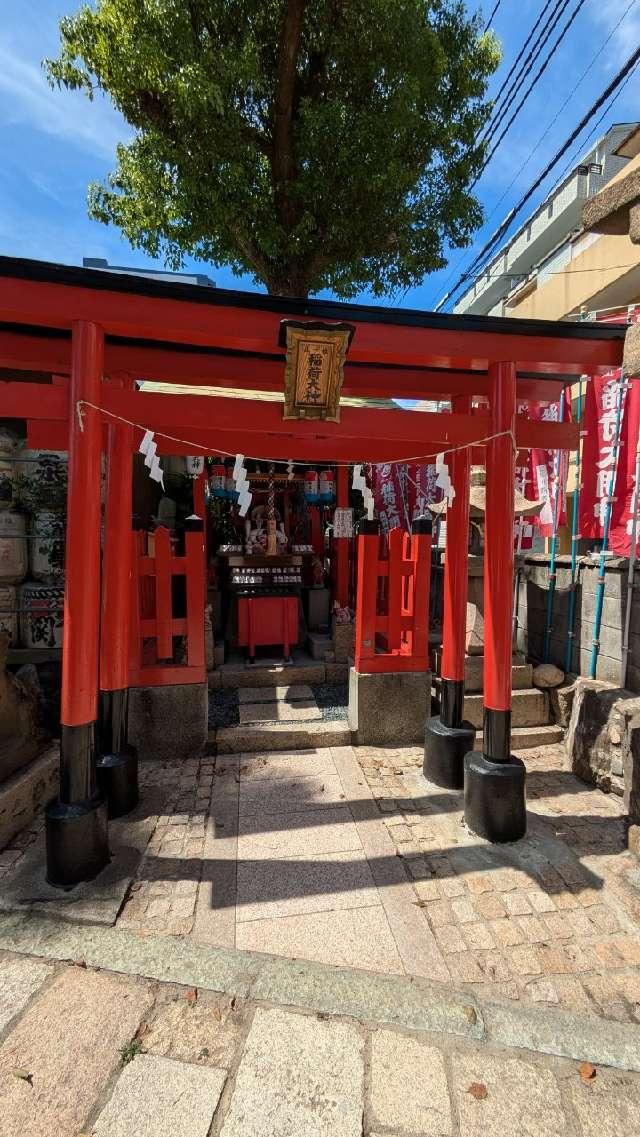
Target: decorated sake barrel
point(311, 485)
point(41, 607)
point(13, 547)
point(326, 485)
point(217, 481)
point(8, 471)
point(8, 612)
point(43, 479)
point(46, 547)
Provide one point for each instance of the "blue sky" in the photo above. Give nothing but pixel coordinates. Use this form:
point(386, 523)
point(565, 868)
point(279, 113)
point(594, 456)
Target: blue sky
point(53, 143)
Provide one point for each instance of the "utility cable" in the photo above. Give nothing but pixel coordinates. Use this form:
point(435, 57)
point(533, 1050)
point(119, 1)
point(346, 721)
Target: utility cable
point(620, 76)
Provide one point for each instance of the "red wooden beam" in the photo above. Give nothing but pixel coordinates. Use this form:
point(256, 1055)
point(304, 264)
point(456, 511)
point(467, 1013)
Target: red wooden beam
point(239, 328)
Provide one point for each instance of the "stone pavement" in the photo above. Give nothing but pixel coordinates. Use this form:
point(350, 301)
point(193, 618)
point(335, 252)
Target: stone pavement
point(349, 857)
point(253, 1053)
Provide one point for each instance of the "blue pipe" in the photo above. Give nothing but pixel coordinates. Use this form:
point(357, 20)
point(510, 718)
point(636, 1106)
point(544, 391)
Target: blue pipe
point(597, 619)
point(553, 551)
point(568, 657)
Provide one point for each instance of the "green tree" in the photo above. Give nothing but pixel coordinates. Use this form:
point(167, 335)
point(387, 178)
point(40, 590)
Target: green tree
point(313, 143)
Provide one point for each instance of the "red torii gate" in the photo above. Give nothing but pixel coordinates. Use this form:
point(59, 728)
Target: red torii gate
point(96, 332)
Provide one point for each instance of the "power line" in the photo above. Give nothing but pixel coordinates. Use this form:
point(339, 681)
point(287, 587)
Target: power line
point(534, 82)
point(507, 87)
point(621, 75)
point(488, 23)
point(555, 118)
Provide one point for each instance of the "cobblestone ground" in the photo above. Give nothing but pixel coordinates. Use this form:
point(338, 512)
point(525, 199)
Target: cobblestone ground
point(554, 919)
point(88, 1052)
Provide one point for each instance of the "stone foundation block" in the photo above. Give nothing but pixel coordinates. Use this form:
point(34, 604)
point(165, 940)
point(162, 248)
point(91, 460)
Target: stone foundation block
point(389, 709)
point(169, 723)
point(343, 642)
point(24, 793)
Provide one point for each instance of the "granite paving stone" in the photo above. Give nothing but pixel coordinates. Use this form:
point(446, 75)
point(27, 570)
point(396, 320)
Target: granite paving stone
point(520, 1098)
point(329, 830)
point(68, 1041)
point(157, 1097)
point(348, 937)
point(298, 1076)
point(408, 1086)
point(313, 883)
point(304, 710)
point(19, 979)
point(610, 1104)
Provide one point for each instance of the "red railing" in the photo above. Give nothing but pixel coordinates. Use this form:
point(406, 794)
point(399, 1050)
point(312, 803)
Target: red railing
point(167, 648)
point(392, 600)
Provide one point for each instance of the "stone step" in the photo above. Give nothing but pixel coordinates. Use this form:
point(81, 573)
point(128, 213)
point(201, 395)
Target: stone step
point(521, 673)
point(270, 674)
point(529, 707)
point(254, 737)
point(296, 693)
point(305, 710)
point(319, 643)
point(528, 737)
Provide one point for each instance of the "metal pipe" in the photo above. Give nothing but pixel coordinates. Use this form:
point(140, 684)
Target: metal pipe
point(568, 655)
point(597, 619)
point(631, 572)
point(554, 546)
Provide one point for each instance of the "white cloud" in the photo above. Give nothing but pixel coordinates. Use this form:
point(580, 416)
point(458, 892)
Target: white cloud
point(26, 98)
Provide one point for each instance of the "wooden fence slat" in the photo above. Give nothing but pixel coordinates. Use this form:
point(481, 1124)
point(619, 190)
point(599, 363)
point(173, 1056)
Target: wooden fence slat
point(164, 600)
point(194, 558)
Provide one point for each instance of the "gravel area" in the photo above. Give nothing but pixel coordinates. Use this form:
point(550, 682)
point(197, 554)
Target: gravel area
point(332, 699)
point(223, 708)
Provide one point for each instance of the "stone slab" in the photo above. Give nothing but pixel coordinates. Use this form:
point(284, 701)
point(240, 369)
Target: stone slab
point(316, 882)
point(19, 980)
point(408, 1086)
point(388, 709)
point(292, 693)
point(157, 1097)
point(70, 1046)
point(95, 901)
point(521, 1098)
point(205, 1032)
point(329, 830)
point(298, 1076)
point(608, 1105)
point(270, 674)
point(26, 791)
point(169, 722)
point(291, 795)
point(416, 943)
point(280, 736)
point(351, 937)
point(260, 769)
point(302, 711)
point(215, 920)
point(529, 707)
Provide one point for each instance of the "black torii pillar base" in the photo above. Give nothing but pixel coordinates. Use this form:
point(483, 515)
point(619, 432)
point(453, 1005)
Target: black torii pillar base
point(494, 784)
point(117, 765)
point(447, 739)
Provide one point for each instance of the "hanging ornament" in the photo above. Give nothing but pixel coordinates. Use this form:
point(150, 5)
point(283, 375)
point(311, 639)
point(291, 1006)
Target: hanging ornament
point(360, 483)
point(326, 486)
point(217, 480)
point(152, 462)
point(195, 465)
point(443, 479)
point(290, 470)
point(311, 486)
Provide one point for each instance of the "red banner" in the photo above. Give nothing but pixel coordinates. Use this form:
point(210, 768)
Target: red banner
point(548, 473)
point(401, 492)
point(604, 393)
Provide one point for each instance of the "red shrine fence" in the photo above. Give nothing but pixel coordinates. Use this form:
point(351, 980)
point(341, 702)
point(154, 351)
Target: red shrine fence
point(392, 602)
point(163, 584)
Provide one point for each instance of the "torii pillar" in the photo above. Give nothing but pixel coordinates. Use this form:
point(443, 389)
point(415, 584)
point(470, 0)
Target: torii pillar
point(76, 824)
point(494, 782)
point(447, 737)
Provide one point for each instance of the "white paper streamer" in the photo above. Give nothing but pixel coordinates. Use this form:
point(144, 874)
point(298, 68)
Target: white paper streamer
point(443, 479)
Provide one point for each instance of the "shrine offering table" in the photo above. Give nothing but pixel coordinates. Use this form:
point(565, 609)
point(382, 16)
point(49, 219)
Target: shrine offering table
point(264, 620)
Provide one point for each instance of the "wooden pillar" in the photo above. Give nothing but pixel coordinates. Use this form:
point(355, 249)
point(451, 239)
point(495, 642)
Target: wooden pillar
point(76, 825)
point(447, 737)
point(495, 780)
point(117, 764)
point(341, 544)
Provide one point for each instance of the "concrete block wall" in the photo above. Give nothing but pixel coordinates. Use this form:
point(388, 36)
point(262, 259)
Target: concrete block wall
point(532, 610)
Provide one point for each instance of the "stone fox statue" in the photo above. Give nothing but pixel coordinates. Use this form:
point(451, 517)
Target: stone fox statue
point(19, 718)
